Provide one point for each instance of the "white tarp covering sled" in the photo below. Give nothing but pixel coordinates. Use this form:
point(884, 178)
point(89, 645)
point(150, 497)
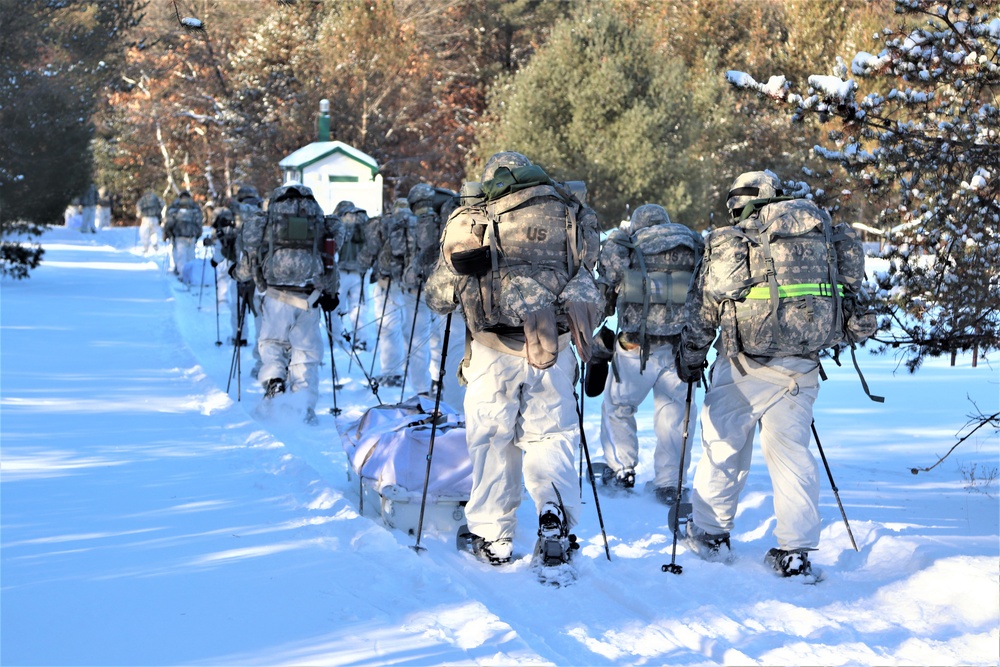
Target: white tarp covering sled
point(387, 455)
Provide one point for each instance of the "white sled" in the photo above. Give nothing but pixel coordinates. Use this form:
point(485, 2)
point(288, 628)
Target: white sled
point(387, 461)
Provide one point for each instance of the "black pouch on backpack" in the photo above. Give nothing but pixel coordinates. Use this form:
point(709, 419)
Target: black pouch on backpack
point(474, 262)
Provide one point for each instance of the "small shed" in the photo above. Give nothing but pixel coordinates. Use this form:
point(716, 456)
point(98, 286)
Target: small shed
point(335, 172)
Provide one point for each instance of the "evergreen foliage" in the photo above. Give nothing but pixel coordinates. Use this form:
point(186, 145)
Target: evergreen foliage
point(923, 142)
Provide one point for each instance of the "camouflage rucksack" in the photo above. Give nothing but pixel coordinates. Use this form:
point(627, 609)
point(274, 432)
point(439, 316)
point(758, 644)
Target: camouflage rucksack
point(355, 220)
point(786, 270)
point(185, 218)
point(293, 240)
point(533, 235)
point(652, 267)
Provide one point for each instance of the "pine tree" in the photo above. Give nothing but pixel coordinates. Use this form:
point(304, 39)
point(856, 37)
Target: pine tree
point(923, 144)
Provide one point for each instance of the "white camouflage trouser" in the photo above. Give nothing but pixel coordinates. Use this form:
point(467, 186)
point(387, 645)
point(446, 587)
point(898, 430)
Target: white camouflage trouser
point(417, 366)
point(734, 407)
point(619, 436)
point(291, 347)
point(390, 313)
point(149, 233)
point(519, 421)
point(356, 319)
point(183, 252)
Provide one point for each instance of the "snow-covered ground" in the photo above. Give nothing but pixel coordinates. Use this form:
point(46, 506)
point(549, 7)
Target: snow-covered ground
point(148, 518)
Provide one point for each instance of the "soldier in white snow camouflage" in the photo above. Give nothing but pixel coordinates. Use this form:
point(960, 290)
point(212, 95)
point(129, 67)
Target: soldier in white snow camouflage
point(646, 272)
point(286, 253)
point(353, 311)
point(182, 227)
point(389, 241)
point(525, 260)
point(776, 285)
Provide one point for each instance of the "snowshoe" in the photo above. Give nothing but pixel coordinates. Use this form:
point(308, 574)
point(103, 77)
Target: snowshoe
point(620, 481)
point(713, 548)
point(275, 386)
point(554, 549)
point(497, 552)
point(793, 563)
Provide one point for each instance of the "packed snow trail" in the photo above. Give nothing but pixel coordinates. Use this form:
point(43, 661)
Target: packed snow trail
point(148, 518)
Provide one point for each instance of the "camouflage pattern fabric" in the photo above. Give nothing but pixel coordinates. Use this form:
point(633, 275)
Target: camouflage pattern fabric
point(389, 242)
point(184, 219)
point(284, 248)
point(150, 206)
point(528, 237)
point(669, 254)
point(426, 244)
point(731, 290)
point(355, 221)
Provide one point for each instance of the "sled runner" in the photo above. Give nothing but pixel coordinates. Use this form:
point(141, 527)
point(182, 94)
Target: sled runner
point(387, 452)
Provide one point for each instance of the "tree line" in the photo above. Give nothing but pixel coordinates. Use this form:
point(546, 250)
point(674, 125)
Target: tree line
point(631, 96)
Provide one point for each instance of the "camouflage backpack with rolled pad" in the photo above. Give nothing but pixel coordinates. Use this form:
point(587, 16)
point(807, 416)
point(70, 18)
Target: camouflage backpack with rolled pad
point(292, 243)
point(787, 279)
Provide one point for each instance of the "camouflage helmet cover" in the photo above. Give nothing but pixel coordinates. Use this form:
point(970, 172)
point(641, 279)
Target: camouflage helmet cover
point(752, 185)
point(419, 193)
point(503, 159)
point(246, 192)
point(289, 190)
point(400, 205)
point(648, 215)
point(344, 207)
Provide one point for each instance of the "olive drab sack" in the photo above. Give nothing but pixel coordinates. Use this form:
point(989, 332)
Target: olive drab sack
point(293, 241)
point(784, 274)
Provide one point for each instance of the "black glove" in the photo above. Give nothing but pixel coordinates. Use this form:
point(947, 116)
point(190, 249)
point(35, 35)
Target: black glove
point(686, 371)
point(213, 262)
point(329, 302)
point(207, 241)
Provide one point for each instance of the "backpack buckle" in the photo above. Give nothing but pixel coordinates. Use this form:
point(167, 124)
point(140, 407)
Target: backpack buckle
point(769, 266)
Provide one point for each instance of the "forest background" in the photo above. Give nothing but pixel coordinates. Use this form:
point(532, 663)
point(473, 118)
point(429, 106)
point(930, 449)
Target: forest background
point(630, 96)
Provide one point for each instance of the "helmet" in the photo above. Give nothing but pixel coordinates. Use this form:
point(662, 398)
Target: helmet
point(344, 207)
point(290, 190)
point(419, 193)
point(504, 159)
point(183, 193)
point(246, 192)
point(648, 215)
point(471, 192)
point(752, 185)
point(400, 205)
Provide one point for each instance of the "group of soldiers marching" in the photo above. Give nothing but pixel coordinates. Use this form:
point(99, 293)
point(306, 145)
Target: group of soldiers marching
point(517, 257)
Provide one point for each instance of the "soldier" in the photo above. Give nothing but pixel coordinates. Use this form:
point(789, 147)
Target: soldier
point(525, 258)
point(645, 269)
point(103, 214)
point(149, 208)
point(182, 227)
point(388, 243)
point(290, 252)
point(89, 203)
point(353, 303)
point(428, 329)
point(775, 284)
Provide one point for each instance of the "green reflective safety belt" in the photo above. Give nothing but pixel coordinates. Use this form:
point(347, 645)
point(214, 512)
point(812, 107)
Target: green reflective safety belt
point(801, 289)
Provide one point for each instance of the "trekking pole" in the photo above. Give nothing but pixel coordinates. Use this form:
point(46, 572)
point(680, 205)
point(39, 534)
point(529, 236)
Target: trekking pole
point(409, 346)
point(201, 288)
point(581, 444)
point(215, 276)
point(372, 382)
point(434, 419)
point(833, 485)
point(357, 316)
point(234, 365)
point(378, 334)
point(329, 334)
point(673, 567)
point(593, 482)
